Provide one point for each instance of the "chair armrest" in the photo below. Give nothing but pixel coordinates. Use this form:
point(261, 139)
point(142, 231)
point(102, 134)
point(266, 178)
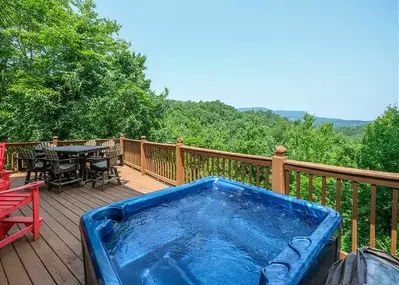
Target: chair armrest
point(32, 186)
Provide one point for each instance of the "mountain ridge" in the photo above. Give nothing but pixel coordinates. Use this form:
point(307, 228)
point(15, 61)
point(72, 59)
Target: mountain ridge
point(298, 115)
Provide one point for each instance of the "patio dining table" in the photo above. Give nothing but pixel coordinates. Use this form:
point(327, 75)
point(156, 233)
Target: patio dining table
point(79, 150)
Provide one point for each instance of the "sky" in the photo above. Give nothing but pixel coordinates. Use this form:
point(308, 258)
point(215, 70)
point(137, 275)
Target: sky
point(335, 58)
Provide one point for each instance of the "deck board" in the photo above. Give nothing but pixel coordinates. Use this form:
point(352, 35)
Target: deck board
point(56, 257)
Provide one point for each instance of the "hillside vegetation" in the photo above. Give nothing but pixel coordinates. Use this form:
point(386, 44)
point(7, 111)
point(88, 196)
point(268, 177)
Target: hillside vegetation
point(298, 115)
point(64, 71)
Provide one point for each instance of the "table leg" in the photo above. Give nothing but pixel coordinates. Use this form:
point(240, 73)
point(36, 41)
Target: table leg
point(83, 169)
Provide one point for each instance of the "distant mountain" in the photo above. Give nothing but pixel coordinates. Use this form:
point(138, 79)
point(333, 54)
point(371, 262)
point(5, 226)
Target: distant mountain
point(298, 115)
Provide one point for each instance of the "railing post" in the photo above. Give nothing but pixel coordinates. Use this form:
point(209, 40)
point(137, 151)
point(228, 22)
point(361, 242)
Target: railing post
point(55, 140)
point(142, 155)
point(122, 156)
point(179, 162)
point(278, 181)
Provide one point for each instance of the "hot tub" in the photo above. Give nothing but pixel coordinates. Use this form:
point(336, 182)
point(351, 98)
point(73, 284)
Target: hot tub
point(212, 231)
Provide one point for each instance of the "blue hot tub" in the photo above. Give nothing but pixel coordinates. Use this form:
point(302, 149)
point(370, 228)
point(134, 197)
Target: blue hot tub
point(212, 231)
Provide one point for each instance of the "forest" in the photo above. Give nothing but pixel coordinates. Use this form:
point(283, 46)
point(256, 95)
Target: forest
point(65, 71)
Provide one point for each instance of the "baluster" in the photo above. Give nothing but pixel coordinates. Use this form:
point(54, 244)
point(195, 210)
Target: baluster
point(223, 167)
point(394, 221)
point(354, 216)
point(298, 185)
point(213, 167)
point(218, 166)
point(257, 175)
point(267, 177)
point(191, 166)
point(147, 157)
point(287, 182)
point(250, 174)
point(372, 215)
point(186, 167)
point(167, 162)
point(207, 165)
point(310, 185)
point(229, 168)
point(164, 161)
point(160, 160)
point(323, 190)
point(242, 172)
point(235, 170)
point(338, 198)
point(194, 166)
point(203, 166)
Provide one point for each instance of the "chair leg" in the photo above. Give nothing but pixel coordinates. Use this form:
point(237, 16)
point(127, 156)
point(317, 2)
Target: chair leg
point(93, 184)
point(102, 186)
point(117, 175)
point(27, 177)
point(59, 183)
point(35, 212)
point(36, 176)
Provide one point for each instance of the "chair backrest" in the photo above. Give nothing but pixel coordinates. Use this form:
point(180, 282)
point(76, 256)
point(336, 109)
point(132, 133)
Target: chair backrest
point(2, 154)
point(112, 158)
point(109, 143)
point(91, 143)
point(28, 158)
point(26, 154)
point(50, 154)
point(118, 148)
point(43, 145)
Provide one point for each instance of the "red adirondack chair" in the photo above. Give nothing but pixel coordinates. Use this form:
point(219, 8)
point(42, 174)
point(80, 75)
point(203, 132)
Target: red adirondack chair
point(11, 200)
point(4, 174)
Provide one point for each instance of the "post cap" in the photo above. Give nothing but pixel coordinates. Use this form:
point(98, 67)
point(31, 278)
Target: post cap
point(122, 135)
point(55, 137)
point(280, 151)
point(143, 137)
point(180, 140)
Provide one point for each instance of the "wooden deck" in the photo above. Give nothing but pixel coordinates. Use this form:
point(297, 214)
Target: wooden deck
point(56, 257)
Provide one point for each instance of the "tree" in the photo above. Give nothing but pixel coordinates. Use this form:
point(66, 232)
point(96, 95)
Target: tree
point(65, 72)
point(380, 143)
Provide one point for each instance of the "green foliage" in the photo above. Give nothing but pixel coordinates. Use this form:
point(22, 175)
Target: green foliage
point(65, 72)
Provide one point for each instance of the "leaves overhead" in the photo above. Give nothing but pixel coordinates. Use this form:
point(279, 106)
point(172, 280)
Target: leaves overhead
point(65, 72)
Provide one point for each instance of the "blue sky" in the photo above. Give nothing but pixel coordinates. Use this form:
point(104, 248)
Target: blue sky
point(331, 58)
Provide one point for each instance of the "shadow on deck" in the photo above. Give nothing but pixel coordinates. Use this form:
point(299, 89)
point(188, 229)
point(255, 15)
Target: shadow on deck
point(56, 257)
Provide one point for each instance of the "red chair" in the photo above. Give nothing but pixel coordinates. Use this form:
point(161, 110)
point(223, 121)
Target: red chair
point(4, 174)
point(14, 199)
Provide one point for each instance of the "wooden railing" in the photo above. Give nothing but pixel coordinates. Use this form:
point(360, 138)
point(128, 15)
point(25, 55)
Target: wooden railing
point(176, 164)
point(200, 162)
point(371, 179)
point(132, 153)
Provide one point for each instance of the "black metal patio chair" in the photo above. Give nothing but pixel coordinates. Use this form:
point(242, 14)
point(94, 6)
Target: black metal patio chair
point(62, 171)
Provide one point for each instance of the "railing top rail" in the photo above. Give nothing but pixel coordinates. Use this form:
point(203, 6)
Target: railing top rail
point(380, 178)
point(165, 145)
point(11, 144)
point(131, 140)
point(22, 143)
point(226, 153)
